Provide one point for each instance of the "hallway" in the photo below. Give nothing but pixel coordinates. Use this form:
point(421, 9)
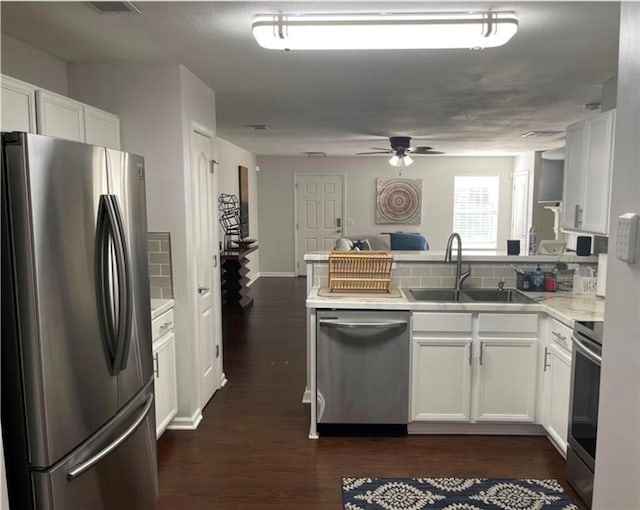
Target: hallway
point(251, 451)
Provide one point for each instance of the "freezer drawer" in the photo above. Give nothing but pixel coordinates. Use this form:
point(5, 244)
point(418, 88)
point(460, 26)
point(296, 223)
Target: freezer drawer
point(363, 367)
point(114, 470)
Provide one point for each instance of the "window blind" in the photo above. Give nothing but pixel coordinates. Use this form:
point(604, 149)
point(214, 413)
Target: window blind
point(475, 210)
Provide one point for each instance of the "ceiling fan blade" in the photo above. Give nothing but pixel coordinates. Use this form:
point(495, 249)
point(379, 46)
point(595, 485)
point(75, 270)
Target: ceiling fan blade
point(424, 150)
point(426, 153)
point(381, 149)
point(376, 152)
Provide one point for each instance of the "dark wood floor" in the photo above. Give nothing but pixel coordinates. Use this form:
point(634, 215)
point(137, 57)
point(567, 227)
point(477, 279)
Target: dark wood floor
point(251, 451)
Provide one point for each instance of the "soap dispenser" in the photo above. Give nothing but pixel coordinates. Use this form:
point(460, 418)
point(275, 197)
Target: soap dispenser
point(538, 279)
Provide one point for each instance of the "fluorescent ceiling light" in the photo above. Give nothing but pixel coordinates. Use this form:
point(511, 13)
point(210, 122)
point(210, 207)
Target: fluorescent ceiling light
point(400, 161)
point(384, 31)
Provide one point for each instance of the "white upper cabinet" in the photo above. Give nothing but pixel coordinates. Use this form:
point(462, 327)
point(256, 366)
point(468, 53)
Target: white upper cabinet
point(18, 105)
point(587, 174)
point(28, 108)
point(60, 116)
point(101, 128)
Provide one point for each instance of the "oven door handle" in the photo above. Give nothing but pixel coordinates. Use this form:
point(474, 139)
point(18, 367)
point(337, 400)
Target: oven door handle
point(584, 350)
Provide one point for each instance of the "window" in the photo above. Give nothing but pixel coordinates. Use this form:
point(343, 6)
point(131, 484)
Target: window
point(475, 210)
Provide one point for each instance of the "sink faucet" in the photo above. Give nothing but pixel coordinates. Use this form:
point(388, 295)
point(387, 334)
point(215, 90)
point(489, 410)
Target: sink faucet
point(460, 276)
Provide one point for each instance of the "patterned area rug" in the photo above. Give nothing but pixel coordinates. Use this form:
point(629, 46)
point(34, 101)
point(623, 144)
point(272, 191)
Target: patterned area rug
point(453, 494)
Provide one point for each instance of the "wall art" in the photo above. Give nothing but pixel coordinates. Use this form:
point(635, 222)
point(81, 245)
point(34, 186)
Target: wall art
point(399, 201)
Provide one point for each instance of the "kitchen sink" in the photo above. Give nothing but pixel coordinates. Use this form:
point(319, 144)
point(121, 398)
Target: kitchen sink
point(469, 296)
point(439, 295)
point(498, 296)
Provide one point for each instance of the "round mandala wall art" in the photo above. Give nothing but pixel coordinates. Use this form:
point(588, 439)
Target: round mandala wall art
point(399, 201)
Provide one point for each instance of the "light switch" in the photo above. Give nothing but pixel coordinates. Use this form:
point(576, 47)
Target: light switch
point(627, 237)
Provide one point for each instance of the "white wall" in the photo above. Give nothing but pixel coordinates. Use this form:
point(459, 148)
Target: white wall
point(229, 157)
point(276, 198)
point(155, 102)
point(32, 65)
point(618, 449)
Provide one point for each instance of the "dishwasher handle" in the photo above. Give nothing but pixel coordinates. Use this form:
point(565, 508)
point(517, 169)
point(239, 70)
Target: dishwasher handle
point(337, 323)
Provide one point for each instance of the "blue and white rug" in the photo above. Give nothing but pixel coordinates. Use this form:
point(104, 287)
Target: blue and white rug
point(453, 494)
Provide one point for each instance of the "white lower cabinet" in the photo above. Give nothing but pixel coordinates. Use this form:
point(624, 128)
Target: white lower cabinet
point(441, 388)
point(557, 385)
point(164, 370)
point(506, 383)
point(474, 367)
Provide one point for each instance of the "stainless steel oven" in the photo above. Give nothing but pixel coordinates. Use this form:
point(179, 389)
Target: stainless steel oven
point(583, 408)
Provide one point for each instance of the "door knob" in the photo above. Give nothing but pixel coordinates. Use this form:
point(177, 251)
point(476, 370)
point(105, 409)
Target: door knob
point(202, 290)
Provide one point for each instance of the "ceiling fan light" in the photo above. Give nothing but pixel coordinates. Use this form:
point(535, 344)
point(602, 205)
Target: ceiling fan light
point(407, 161)
point(395, 161)
point(375, 31)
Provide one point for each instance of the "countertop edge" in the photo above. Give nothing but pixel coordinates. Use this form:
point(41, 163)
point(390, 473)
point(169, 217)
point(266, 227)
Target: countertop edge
point(561, 310)
point(160, 306)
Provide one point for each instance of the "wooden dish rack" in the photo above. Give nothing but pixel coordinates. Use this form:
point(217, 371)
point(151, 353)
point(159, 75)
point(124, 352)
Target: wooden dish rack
point(360, 271)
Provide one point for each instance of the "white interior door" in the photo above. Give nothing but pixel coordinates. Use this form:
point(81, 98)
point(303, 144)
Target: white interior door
point(319, 203)
point(520, 210)
point(209, 349)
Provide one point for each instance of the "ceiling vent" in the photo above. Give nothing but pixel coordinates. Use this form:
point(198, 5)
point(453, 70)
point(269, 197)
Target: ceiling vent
point(541, 134)
point(258, 127)
point(115, 7)
point(316, 154)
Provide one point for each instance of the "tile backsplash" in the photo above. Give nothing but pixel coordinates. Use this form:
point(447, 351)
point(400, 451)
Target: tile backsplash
point(159, 249)
point(439, 274)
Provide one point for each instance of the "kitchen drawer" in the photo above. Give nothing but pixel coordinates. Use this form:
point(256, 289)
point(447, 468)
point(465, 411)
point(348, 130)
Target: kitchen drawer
point(442, 322)
point(162, 324)
point(561, 334)
point(507, 323)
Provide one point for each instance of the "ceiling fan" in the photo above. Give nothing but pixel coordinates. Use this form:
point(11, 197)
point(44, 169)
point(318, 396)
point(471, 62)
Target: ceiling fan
point(401, 150)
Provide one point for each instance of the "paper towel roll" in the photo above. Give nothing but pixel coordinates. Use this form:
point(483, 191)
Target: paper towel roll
point(602, 274)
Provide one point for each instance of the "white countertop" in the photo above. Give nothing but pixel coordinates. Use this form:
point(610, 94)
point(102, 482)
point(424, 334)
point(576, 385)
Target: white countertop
point(468, 256)
point(159, 306)
point(567, 307)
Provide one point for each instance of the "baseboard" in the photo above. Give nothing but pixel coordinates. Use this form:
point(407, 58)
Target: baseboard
point(306, 396)
point(253, 280)
point(223, 380)
point(509, 429)
point(186, 422)
point(278, 275)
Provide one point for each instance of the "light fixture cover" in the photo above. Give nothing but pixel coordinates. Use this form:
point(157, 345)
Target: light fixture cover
point(378, 31)
point(400, 161)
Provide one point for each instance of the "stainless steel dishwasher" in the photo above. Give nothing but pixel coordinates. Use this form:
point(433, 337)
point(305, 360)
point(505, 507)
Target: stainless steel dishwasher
point(363, 367)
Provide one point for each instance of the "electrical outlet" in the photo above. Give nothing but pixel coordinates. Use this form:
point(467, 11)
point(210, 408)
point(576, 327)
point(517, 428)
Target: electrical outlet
point(627, 237)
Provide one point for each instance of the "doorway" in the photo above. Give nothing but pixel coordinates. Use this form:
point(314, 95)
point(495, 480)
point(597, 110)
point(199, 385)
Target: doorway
point(319, 217)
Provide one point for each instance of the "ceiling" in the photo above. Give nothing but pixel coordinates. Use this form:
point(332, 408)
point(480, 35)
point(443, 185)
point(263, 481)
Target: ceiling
point(343, 102)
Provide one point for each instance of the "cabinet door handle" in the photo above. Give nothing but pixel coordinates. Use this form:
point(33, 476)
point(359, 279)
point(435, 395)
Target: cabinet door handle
point(215, 260)
point(470, 355)
point(156, 365)
point(165, 326)
point(481, 352)
point(546, 365)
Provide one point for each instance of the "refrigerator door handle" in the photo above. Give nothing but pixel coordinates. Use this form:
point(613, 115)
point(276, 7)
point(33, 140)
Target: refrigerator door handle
point(125, 301)
point(103, 294)
point(78, 469)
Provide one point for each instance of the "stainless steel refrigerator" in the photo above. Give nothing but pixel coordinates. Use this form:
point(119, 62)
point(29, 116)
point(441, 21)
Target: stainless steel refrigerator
point(77, 375)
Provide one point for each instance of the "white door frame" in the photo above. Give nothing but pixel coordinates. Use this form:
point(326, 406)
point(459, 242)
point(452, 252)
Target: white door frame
point(302, 271)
